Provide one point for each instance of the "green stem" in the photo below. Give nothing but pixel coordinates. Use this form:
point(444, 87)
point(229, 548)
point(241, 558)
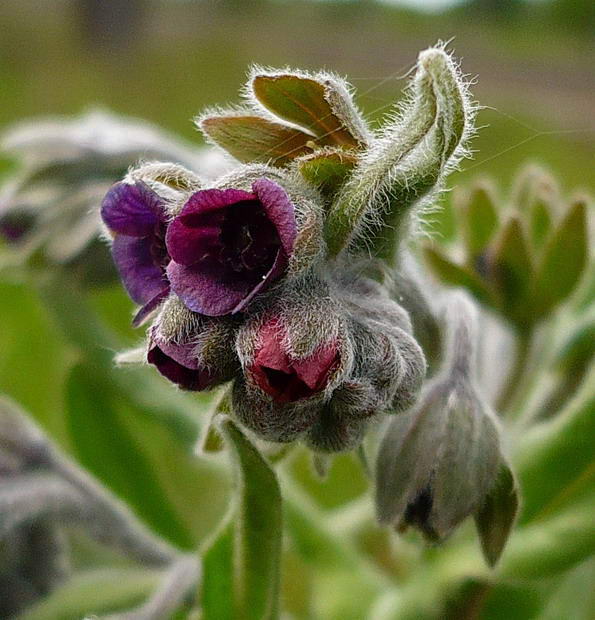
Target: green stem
point(515, 382)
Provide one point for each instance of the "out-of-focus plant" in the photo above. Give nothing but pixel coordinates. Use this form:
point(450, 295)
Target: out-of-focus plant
point(48, 205)
point(290, 285)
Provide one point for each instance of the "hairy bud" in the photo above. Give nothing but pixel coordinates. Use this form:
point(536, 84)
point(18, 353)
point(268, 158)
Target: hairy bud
point(405, 166)
point(438, 461)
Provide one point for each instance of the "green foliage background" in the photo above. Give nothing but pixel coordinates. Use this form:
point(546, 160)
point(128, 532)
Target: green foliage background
point(536, 81)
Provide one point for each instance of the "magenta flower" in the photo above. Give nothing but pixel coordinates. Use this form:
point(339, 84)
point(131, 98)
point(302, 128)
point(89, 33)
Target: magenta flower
point(136, 217)
point(286, 379)
point(228, 245)
point(180, 364)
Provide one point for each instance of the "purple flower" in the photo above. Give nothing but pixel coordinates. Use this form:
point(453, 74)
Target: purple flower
point(136, 216)
point(180, 364)
point(228, 245)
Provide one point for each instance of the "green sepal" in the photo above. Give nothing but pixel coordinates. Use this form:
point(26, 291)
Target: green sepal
point(479, 220)
point(452, 274)
point(495, 518)
point(510, 268)
point(564, 259)
point(251, 138)
point(327, 170)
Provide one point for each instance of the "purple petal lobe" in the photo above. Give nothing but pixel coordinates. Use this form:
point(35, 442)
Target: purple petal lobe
point(279, 210)
point(179, 364)
point(203, 292)
point(142, 277)
point(133, 210)
point(143, 314)
point(196, 230)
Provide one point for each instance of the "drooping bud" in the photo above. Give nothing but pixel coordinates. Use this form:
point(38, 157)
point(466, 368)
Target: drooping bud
point(193, 351)
point(405, 166)
point(438, 461)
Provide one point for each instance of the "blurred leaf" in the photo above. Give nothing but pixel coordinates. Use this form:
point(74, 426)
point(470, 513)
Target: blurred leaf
point(495, 519)
point(564, 259)
point(551, 546)
point(327, 170)
point(531, 182)
point(512, 270)
point(104, 445)
point(256, 139)
point(555, 461)
point(574, 598)
point(579, 348)
point(217, 599)
point(257, 528)
point(98, 591)
point(540, 222)
point(302, 101)
point(456, 275)
point(479, 219)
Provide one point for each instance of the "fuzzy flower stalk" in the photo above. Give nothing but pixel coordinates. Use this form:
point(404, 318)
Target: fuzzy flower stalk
point(275, 277)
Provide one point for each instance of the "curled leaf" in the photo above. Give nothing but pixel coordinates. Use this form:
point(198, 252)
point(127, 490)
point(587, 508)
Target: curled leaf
point(251, 138)
point(320, 103)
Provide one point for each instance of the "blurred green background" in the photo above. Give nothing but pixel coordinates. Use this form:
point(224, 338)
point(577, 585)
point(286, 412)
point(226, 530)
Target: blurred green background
point(166, 60)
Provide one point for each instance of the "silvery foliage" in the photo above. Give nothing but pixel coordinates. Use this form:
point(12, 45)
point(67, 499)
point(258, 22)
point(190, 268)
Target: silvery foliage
point(49, 205)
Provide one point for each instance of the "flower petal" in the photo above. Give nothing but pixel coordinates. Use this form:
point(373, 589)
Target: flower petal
point(279, 210)
point(141, 316)
point(202, 291)
point(132, 210)
point(142, 278)
point(195, 379)
point(198, 225)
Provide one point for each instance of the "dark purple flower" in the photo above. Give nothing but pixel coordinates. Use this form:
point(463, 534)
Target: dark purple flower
point(285, 379)
point(180, 364)
point(228, 245)
point(136, 216)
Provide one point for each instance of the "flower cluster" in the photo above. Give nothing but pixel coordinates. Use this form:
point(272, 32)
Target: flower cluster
point(263, 277)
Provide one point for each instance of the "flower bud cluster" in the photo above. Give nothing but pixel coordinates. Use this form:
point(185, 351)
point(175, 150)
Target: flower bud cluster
point(262, 277)
point(234, 280)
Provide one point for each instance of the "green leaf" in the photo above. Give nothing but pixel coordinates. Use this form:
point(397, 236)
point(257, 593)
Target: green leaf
point(257, 525)
point(479, 220)
point(303, 101)
point(495, 519)
point(327, 170)
point(98, 591)
point(564, 259)
point(217, 601)
point(511, 268)
point(251, 138)
point(574, 598)
point(103, 444)
point(452, 274)
point(554, 461)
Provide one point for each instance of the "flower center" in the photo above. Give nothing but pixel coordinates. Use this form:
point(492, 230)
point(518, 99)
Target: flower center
point(249, 241)
point(158, 248)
